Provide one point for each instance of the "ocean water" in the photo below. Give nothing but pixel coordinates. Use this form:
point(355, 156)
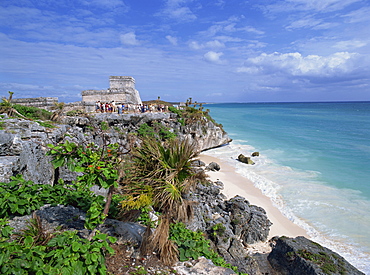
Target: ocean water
point(314, 164)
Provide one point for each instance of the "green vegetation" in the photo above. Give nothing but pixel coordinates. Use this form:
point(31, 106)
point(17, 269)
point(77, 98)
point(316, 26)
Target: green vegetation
point(188, 115)
point(326, 262)
point(7, 107)
point(100, 166)
point(155, 130)
point(218, 229)
point(159, 176)
point(156, 177)
point(33, 113)
point(193, 245)
point(75, 113)
point(60, 253)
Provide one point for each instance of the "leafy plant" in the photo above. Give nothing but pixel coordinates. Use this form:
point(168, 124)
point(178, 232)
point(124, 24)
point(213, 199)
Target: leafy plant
point(162, 172)
point(21, 197)
point(36, 231)
point(45, 124)
point(99, 166)
point(65, 253)
point(156, 131)
point(6, 106)
point(33, 113)
point(218, 229)
point(193, 245)
point(74, 113)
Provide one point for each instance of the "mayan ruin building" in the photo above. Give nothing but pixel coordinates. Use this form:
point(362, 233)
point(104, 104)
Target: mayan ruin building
point(121, 90)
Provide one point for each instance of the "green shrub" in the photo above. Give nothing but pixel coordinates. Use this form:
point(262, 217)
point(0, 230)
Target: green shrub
point(74, 113)
point(156, 130)
point(192, 245)
point(65, 253)
point(21, 197)
point(33, 112)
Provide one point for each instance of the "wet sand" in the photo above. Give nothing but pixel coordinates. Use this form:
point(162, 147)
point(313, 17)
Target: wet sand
point(236, 184)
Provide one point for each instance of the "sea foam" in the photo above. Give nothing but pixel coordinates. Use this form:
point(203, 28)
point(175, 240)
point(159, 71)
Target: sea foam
point(331, 216)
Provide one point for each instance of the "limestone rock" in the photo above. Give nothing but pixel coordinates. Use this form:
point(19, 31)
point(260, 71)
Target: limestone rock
point(213, 166)
point(202, 266)
point(25, 141)
point(303, 256)
point(230, 224)
point(197, 163)
point(245, 159)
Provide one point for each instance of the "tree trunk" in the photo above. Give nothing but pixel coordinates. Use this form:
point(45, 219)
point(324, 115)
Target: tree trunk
point(109, 200)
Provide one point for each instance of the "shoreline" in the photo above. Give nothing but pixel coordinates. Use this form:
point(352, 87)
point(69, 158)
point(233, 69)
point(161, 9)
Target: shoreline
point(236, 184)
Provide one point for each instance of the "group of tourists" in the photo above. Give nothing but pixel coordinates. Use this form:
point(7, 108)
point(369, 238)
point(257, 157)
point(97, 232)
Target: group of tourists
point(112, 107)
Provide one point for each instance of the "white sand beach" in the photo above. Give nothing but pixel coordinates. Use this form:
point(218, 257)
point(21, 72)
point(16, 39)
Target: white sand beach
point(235, 184)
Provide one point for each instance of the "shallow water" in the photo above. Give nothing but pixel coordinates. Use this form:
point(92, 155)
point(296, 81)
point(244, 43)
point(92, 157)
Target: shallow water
point(313, 164)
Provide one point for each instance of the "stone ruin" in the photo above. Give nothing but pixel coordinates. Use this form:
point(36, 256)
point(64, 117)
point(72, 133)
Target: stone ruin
point(121, 90)
point(39, 102)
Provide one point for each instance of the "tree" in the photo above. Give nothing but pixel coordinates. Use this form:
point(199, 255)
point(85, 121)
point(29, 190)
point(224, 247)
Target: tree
point(7, 107)
point(162, 172)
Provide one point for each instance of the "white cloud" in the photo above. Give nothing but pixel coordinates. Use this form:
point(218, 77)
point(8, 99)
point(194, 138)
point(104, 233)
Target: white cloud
point(214, 44)
point(213, 57)
point(231, 25)
point(297, 65)
point(129, 39)
point(307, 22)
point(349, 44)
point(195, 45)
point(360, 15)
point(106, 4)
point(176, 9)
point(173, 40)
point(308, 5)
point(220, 3)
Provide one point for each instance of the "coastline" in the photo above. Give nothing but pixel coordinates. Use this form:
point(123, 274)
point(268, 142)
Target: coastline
point(236, 184)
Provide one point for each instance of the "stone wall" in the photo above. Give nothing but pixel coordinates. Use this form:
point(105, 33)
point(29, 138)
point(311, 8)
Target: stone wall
point(121, 90)
point(39, 102)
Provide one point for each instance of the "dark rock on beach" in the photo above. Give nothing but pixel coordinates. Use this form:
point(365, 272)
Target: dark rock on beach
point(213, 166)
point(301, 256)
point(230, 224)
point(244, 159)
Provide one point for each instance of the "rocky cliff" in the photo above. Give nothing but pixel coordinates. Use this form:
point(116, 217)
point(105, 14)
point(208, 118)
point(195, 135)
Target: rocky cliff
point(23, 142)
point(233, 226)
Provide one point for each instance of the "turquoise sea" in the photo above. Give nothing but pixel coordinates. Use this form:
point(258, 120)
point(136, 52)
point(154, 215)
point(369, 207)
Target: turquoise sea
point(314, 164)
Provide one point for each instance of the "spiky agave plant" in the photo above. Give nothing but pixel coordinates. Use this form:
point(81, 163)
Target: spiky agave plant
point(163, 171)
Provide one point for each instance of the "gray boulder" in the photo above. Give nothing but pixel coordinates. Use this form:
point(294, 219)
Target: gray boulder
point(302, 256)
point(197, 163)
point(202, 266)
point(213, 166)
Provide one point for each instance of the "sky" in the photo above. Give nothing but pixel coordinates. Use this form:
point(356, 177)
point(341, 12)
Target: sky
point(211, 51)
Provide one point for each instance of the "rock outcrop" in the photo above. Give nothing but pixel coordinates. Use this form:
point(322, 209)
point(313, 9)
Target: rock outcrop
point(23, 142)
point(230, 224)
point(244, 159)
point(302, 256)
